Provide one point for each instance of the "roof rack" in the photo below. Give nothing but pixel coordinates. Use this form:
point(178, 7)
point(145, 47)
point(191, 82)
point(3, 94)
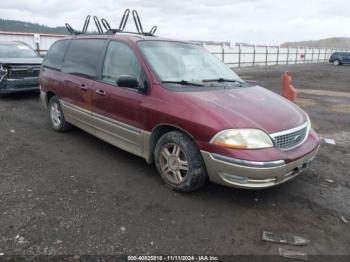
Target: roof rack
point(83, 31)
point(109, 29)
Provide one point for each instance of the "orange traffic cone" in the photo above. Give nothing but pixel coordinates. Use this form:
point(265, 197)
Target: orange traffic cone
point(288, 90)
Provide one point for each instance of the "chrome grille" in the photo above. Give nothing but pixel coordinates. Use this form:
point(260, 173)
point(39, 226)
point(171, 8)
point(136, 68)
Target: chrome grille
point(23, 71)
point(291, 138)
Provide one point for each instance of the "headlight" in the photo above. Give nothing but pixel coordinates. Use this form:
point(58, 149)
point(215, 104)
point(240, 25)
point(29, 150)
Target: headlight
point(246, 138)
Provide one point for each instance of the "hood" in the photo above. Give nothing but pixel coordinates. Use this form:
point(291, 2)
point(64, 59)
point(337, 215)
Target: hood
point(250, 107)
point(31, 60)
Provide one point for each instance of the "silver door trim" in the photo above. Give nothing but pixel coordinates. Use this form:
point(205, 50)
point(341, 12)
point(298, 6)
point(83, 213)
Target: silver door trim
point(124, 136)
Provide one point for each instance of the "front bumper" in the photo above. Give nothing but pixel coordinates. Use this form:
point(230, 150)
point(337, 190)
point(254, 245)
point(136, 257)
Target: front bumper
point(249, 174)
point(19, 85)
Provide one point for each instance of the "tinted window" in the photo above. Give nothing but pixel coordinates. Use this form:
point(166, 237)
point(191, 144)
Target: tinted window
point(54, 56)
point(82, 57)
point(119, 60)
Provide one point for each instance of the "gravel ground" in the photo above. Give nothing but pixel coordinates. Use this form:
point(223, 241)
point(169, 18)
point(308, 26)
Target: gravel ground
point(74, 194)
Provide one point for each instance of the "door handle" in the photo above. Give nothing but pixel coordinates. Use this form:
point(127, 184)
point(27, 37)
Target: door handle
point(100, 92)
point(83, 87)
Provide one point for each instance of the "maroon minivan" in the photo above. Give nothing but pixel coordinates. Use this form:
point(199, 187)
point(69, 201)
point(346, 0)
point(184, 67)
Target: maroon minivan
point(175, 104)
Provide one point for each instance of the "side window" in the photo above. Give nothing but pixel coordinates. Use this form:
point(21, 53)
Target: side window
point(54, 56)
point(119, 60)
point(82, 57)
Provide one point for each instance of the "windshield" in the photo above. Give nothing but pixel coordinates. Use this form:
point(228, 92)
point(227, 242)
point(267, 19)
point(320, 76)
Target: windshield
point(175, 61)
point(16, 51)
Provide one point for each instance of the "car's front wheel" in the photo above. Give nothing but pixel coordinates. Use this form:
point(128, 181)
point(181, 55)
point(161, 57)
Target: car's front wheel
point(179, 162)
point(336, 62)
point(57, 119)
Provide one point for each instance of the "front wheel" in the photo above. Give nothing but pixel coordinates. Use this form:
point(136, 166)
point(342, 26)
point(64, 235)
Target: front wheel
point(336, 62)
point(179, 162)
point(57, 119)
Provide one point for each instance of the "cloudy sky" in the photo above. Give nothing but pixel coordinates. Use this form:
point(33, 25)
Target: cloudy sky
point(249, 21)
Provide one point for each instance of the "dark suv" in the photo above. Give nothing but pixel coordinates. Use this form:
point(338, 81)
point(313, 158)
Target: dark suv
point(19, 67)
point(175, 104)
point(340, 58)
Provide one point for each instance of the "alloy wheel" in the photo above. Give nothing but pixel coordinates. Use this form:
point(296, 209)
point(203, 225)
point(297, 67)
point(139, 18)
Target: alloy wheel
point(56, 115)
point(173, 163)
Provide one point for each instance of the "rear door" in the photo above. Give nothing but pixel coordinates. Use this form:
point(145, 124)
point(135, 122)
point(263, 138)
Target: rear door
point(50, 75)
point(80, 68)
point(116, 109)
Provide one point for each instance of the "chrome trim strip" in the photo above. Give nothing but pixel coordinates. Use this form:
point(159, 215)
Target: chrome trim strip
point(105, 119)
point(247, 163)
point(23, 78)
point(67, 104)
point(284, 132)
point(119, 124)
point(262, 181)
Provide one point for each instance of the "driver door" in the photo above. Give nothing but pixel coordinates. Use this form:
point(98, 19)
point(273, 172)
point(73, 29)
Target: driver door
point(116, 110)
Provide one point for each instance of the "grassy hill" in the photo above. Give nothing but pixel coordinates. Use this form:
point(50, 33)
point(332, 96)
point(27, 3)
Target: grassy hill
point(336, 42)
point(19, 26)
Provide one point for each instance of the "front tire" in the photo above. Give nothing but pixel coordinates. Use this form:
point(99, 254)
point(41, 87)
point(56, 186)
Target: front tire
point(57, 119)
point(179, 162)
point(336, 62)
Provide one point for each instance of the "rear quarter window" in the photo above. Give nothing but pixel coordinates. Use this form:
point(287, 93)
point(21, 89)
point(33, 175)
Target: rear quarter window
point(55, 54)
point(83, 56)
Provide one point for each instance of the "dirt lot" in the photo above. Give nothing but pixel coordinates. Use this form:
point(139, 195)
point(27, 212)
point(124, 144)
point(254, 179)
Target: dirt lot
point(74, 194)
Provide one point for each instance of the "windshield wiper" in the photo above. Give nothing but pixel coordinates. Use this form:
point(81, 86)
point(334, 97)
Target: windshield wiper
point(221, 80)
point(182, 82)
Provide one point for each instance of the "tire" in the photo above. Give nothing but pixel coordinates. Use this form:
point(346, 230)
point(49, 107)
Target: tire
point(179, 162)
point(57, 120)
point(336, 62)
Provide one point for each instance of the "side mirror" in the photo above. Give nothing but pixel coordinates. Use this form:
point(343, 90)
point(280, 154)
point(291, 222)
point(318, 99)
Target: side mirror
point(128, 81)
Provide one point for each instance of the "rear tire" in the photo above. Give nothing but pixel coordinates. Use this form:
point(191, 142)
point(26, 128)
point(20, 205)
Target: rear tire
point(336, 62)
point(179, 162)
point(57, 120)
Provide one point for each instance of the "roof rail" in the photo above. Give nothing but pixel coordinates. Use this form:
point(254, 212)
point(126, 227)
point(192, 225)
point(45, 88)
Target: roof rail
point(109, 29)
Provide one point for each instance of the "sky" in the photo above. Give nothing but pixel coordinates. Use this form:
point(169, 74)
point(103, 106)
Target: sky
point(238, 21)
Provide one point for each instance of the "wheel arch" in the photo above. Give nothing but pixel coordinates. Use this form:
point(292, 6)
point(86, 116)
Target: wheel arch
point(49, 95)
point(157, 132)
